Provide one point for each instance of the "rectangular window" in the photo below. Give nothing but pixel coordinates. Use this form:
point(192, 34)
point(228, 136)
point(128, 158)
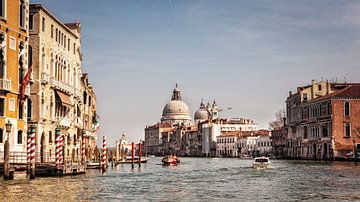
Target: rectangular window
point(11, 104)
point(50, 137)
point(19, 137)
point(74, 48)
point(52, 31)
point(43, 24)
point(12, 44)
point(319, 87)
point(31, 22)
point(64, 41)
point(56, 34)
point(305, 96)
point(21, 113)
point(68, 44)
point(2, 9)
point(2, 106)
point(1, 136)
point(305, 132)
point(347, 109)
point(347, 130)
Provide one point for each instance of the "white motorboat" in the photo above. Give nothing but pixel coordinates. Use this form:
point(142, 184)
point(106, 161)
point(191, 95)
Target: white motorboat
point(262, 163)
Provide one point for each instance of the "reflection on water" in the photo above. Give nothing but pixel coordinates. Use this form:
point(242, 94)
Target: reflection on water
point(198, 179)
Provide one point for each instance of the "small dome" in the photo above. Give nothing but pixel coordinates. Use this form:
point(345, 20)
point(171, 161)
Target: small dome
point(201, 114)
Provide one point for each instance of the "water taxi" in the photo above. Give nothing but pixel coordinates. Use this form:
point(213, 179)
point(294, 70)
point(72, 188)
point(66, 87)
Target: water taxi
point(170, 160)
point(261, 163)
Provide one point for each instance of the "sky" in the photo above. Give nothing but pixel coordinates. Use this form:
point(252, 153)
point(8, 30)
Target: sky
point(245, 54)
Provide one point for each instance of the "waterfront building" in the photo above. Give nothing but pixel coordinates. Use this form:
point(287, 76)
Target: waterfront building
point(226, 144)
point(157, 138)
point(211, 129)
point(87, 112)
point(193, 142)
point(246, 143)
point(254, 143)
point(327, 121)
point(263, 142)
point(56, 92)
point(14, 63)
point(279, 141)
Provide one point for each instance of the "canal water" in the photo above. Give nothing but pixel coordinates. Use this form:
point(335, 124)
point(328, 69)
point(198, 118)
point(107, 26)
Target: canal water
point(197, 179)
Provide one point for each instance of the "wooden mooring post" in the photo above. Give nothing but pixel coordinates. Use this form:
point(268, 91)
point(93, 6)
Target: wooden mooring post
point(132, 155)
point(140, 155)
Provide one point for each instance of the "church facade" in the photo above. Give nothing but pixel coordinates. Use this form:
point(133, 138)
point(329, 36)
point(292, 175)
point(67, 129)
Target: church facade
point(177, 133)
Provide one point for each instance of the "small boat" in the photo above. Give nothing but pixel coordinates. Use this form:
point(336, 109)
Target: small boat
point(170, 160)
point(136, 160)
point(261, 163)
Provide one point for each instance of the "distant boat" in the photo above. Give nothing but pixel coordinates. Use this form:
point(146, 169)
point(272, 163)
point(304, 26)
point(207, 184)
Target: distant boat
point(127, 159)
point(170, 160)
point(261, 163)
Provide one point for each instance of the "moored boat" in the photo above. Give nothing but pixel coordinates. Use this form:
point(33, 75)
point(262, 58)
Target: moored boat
point(262, 163)
point(170, 160)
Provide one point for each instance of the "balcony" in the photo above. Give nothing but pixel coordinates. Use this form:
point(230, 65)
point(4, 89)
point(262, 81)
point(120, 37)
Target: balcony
point(62, 86)
point(77, 93)
point(5, 84)
point(45, 77)
point(64, 122)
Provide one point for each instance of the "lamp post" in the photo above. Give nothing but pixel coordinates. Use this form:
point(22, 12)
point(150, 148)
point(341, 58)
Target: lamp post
point(7, 175)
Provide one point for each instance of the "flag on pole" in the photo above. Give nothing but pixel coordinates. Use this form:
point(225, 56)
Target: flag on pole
point(24, 84)
point(96, 123)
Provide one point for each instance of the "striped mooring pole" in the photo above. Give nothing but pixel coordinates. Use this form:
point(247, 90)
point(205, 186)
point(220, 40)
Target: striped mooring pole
point(29, 150)
point(58, 145)
point(61, 151)
point(104, 156)
point(32, 152)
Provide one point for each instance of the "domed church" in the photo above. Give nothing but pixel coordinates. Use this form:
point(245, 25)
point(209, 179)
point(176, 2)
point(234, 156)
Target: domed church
point(206, 112)
point(176, 112)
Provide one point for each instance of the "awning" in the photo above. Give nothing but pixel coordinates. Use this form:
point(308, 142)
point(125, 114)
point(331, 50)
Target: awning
point(65, 99)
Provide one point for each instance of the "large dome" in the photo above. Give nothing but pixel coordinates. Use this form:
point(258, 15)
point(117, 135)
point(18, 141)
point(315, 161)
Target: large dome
point(176, 111)
point(176, 107)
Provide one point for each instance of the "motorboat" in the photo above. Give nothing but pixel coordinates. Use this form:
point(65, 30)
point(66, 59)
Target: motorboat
point(261, 163)
point(170, 160)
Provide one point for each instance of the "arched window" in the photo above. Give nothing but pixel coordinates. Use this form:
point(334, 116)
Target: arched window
point(2, 58)
point(29, 108)
point(1, 136)
point(30, 55)
point(19, 137)
point(347, 130)
point(22, 13)
point(347, 109)
point(85, 97)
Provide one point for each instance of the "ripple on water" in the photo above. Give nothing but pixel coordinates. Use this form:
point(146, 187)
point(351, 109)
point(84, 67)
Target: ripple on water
point(198, 179)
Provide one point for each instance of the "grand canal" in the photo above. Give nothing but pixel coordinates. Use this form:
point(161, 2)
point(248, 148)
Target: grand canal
point(197, 179)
